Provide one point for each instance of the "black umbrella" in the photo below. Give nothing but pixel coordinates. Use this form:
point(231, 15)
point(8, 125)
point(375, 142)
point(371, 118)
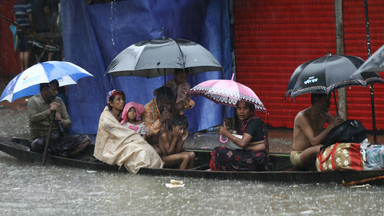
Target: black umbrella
point(327, 73)
point(162, 56)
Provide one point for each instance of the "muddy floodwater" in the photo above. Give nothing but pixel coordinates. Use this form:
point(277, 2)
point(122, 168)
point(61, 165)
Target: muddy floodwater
point(32, 189)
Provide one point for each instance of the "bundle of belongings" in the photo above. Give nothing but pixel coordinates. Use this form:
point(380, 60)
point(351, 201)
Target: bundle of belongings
point(347, 148)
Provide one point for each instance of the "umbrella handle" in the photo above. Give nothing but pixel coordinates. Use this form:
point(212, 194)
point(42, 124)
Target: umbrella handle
point(223, 141)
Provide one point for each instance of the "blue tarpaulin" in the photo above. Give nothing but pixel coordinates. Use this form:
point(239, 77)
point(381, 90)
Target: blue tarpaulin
point(94, 34)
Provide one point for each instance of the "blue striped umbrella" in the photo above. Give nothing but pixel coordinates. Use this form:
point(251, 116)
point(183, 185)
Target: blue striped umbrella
point(28, 82)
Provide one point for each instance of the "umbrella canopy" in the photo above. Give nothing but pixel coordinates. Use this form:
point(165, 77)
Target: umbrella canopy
point(327, 73)
point(162, 56)
point(374, 63)
point(28, 82)
point(227, 92)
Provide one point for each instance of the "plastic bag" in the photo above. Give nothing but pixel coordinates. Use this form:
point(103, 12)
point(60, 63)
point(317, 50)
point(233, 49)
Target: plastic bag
point(374, 157)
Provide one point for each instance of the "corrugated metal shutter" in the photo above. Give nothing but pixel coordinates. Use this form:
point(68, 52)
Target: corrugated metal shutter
point(359, 100)
point(272, 38)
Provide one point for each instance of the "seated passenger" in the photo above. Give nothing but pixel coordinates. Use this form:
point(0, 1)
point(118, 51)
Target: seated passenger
point(171, 144)
point(158, 112)
point(131, 118)
point(253, 155)
point(116, 144)
point(40, 109)
point(180, 88)
point(308, 131)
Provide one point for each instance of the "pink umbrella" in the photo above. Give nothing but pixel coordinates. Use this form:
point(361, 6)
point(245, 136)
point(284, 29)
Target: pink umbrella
point(227, 92)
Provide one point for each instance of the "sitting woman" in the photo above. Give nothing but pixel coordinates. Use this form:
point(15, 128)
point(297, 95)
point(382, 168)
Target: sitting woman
point(131, 118)
point(116, 144)
point(254, 153)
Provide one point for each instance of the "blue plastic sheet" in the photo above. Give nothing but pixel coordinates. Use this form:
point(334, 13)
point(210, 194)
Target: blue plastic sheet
point(94, 34)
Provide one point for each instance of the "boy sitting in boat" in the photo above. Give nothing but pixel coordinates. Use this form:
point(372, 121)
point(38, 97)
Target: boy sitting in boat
point(308, 131)
point(171, 144)
point(40, 109)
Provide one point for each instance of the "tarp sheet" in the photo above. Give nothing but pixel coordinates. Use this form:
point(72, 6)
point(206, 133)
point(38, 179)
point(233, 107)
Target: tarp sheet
point(93, 34)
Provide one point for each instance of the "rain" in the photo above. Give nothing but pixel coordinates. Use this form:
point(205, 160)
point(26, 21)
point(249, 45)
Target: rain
point(32, 189)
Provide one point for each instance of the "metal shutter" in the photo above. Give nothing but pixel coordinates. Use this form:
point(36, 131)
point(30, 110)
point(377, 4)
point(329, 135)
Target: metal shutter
point(272, 38)
point(358, 98)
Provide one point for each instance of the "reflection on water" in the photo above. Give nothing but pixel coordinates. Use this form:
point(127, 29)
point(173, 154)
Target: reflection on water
point(30, 189)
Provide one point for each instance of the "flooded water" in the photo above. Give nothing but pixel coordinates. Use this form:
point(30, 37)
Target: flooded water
point(31, 189)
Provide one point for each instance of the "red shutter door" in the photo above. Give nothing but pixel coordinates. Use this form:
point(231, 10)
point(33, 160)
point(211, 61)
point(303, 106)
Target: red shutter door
point(359, 99)
point(272, 38)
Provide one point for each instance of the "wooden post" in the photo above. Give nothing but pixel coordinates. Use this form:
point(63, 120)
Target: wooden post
point(339, 29)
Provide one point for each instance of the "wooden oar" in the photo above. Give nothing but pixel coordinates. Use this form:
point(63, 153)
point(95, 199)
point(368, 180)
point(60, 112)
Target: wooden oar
point(53, 114)
point(362, 181)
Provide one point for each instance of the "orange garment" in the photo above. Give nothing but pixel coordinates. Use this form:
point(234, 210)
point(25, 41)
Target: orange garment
point(151, 118)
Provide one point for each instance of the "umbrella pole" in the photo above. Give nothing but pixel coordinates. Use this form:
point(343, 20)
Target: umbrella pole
point(48, 138)
point(371, 86)
point(221, 136)
point(334, 97)
point(373, 114)
point(367, 28)
point(165, 82)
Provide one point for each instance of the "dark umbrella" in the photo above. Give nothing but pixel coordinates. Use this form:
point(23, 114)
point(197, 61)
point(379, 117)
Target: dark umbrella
point(327, 73)
point(162, 56)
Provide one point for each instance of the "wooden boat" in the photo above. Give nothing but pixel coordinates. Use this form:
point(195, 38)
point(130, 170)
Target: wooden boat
point(282, 170)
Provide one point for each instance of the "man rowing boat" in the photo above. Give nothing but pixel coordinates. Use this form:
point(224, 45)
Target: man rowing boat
point(40, 111)
point(309, 132)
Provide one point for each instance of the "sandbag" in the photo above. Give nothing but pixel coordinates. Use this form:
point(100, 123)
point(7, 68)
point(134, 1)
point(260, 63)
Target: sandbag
point(340, 156)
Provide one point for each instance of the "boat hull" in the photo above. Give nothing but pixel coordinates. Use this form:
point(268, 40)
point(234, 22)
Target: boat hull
point(282, 173)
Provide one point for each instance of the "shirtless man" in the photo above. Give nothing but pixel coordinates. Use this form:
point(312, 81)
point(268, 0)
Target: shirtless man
point(308, 131)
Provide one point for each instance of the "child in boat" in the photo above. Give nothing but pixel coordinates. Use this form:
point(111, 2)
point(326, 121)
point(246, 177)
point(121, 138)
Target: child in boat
point(131, 118)
point(180, 88)
point(171, 144)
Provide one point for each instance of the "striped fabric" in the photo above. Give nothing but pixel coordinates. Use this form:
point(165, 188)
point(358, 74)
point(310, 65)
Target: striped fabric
point(22, 8)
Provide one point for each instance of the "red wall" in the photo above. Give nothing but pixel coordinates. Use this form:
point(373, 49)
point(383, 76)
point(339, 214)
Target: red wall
point(358, 98)
point(9, 60)
point(273, 37)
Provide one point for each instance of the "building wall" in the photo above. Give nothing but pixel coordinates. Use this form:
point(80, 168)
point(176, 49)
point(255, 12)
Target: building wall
point(9, 60)
point(273, 37)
